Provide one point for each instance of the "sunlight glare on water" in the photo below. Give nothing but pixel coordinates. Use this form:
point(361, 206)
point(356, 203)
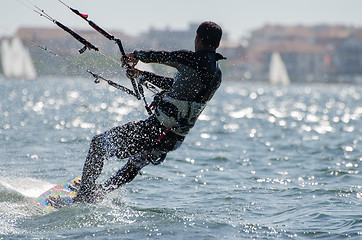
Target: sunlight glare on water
point(263, 162)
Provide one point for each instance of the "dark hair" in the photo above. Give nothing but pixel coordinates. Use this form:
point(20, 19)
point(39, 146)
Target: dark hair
point(210, 34)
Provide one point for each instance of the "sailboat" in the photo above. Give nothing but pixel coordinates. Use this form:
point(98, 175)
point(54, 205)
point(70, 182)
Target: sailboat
point(16, 60)
point(278, 73)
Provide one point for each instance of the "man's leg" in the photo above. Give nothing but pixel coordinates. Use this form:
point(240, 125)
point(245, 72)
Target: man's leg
point(127, 173)
point(92, 169)
point(122, 141)
point(130, 170)
point(103, 146)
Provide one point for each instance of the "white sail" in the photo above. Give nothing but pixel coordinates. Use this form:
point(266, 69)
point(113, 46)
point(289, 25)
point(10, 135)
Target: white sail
point(16, 60)
point(278, 73)
point(5, 51)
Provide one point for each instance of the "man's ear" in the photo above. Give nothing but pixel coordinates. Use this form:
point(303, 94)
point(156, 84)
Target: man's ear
point(198, 39)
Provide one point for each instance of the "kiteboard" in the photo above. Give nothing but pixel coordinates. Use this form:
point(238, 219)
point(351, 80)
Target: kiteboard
point(27, 187)
point(58, 196)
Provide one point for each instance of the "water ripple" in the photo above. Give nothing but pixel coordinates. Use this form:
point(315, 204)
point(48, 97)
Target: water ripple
point(263, 162)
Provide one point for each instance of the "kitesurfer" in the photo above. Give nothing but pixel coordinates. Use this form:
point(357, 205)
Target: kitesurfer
point(176, 110)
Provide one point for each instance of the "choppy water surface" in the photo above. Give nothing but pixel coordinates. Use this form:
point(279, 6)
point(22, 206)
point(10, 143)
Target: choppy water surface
point(262, 162)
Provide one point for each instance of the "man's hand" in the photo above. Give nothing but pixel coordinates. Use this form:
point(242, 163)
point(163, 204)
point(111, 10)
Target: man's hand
point(130, 59)
point(133, 72)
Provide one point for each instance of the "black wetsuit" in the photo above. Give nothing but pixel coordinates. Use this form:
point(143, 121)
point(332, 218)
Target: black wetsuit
point(198, 77)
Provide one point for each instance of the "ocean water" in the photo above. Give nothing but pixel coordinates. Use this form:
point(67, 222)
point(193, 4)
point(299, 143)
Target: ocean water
point(263, 162)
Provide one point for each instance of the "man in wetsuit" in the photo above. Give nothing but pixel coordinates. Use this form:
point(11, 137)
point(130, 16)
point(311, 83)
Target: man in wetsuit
point(176, 111)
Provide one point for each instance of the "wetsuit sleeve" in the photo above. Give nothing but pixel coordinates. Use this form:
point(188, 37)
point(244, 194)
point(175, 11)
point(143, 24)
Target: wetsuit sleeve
point(175, 59)
point(164, 83)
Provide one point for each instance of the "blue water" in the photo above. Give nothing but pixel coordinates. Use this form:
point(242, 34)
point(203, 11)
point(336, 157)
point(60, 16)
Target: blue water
point(262, 162)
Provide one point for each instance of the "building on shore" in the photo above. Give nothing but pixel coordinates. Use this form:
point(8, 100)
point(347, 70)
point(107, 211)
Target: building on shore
point(320, 53)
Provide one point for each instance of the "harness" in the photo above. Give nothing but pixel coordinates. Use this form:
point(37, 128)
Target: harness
point(178, 116)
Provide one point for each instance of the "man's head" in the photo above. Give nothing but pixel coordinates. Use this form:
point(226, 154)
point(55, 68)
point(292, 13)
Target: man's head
point(208, 36)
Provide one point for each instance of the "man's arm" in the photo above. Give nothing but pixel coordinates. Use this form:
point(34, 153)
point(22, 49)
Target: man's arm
point(174, 59)
point(164, 83)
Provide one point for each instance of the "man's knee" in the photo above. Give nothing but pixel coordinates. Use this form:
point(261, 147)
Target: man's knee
point(139, 160)
point(142, 159)
point(98, 139)
point(98, 143)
